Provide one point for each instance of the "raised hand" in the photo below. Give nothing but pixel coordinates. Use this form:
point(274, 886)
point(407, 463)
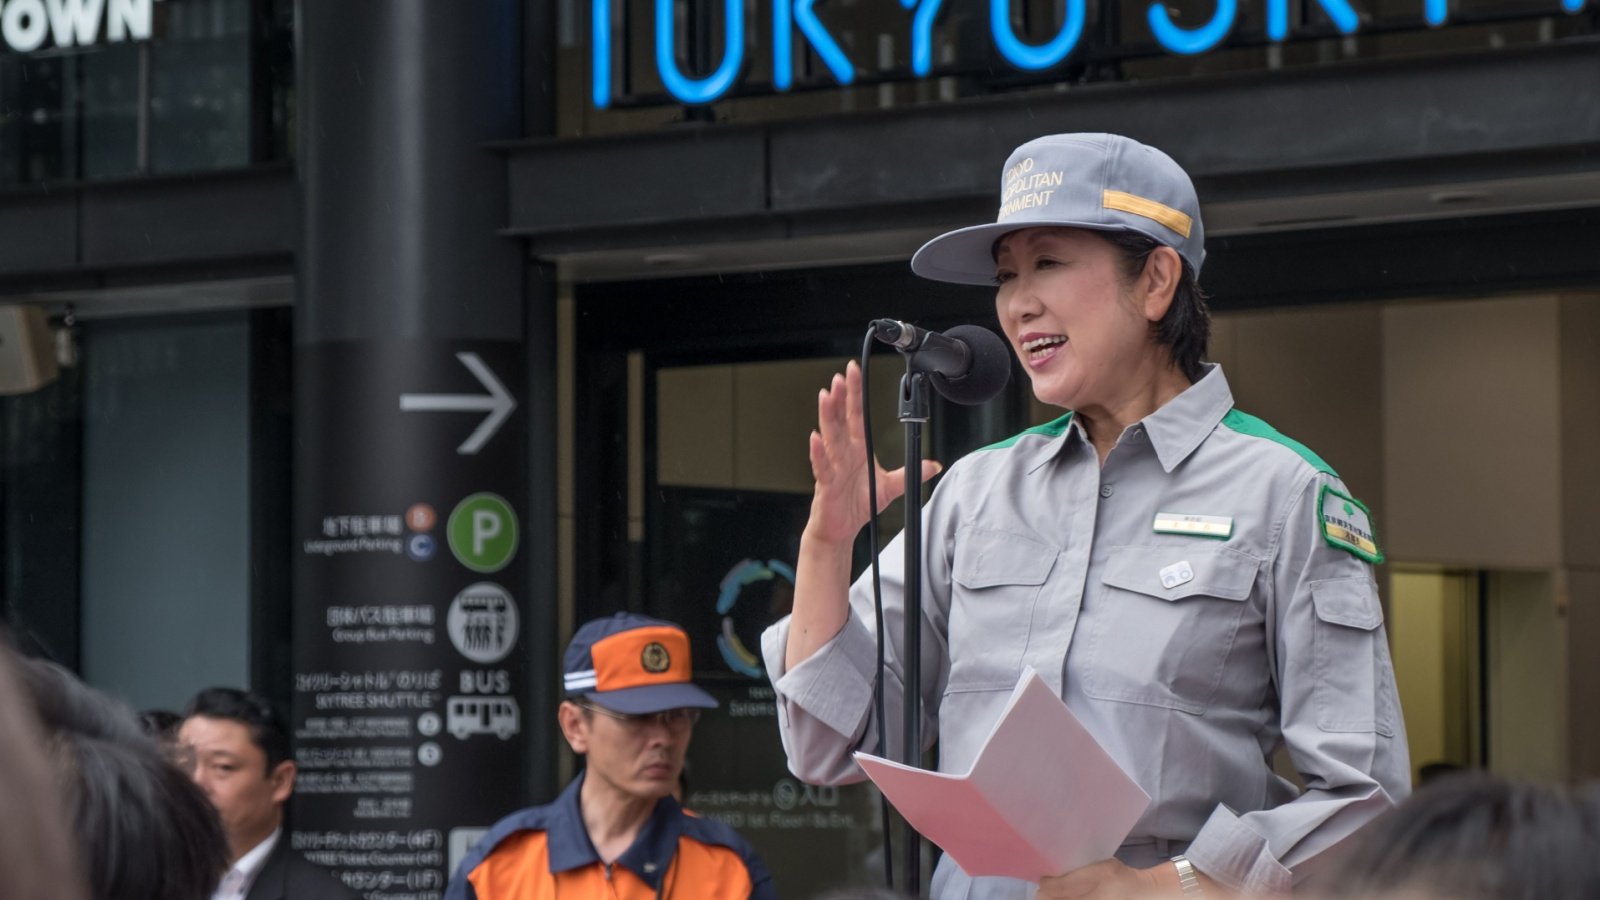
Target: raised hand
point(839, 509)
point(840, 505)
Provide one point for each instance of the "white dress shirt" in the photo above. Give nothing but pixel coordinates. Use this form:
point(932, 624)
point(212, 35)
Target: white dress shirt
point(239, 879)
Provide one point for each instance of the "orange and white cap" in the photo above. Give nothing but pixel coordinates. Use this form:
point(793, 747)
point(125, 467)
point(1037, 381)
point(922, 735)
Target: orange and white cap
point(632, 664)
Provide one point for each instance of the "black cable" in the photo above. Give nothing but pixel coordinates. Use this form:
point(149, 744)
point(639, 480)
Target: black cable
point(877, 590)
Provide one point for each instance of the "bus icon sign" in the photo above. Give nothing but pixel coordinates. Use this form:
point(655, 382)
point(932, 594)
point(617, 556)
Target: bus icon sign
point(467, 716)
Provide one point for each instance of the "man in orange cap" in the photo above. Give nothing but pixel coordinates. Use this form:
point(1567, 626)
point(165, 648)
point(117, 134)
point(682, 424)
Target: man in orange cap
point(616, 831)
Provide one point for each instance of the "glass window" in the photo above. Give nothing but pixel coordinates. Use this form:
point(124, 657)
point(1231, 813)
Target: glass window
point(211, 89)
point(693, 485)
point(166, 540)
point(200, 88)
point(37, 138)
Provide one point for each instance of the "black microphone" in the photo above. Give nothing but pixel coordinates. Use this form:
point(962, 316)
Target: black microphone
point(968, 364)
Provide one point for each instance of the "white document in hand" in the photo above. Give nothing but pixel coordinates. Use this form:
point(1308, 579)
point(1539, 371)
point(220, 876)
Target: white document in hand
point(1042, 797)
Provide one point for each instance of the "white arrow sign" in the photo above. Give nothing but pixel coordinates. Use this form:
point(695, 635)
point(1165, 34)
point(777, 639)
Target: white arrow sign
point(497, 403)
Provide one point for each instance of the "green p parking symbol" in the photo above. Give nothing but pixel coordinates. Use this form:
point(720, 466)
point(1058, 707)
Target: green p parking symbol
point(483, 532)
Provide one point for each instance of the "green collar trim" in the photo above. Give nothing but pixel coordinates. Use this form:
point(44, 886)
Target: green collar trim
point(1051, 429)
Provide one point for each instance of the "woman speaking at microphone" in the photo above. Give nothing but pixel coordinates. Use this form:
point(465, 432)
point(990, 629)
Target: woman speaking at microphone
point(1196, 586)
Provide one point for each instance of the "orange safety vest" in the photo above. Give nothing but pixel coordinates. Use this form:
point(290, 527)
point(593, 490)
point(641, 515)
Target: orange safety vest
point(544, 853)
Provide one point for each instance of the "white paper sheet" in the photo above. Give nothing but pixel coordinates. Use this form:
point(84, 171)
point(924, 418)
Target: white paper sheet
point(1042, 796)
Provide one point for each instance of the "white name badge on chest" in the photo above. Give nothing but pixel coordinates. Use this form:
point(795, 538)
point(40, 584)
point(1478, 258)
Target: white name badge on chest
point(1220, 527)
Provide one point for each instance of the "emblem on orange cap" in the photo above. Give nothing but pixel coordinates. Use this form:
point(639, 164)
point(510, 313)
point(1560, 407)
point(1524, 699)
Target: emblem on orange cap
point(655, 658)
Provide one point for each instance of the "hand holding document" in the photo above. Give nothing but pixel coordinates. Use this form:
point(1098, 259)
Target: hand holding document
point(1042, 796)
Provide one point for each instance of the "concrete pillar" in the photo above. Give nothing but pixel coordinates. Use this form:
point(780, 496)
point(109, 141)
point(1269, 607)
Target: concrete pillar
point(416, 556)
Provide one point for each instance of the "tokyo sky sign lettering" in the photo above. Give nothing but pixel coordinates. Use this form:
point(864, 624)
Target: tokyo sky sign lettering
point(788, 16)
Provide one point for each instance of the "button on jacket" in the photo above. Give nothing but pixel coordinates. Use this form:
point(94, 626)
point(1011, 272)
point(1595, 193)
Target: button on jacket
point(1189, 656)
point(544, 853)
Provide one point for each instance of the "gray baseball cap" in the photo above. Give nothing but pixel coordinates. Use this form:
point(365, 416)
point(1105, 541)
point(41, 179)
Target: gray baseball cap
point(1101, 181)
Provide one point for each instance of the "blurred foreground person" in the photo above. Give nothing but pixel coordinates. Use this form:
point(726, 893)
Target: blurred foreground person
point(144, 831)
point(1477, 837)
point(36, 850)
point(617, 832)
point(238, 752)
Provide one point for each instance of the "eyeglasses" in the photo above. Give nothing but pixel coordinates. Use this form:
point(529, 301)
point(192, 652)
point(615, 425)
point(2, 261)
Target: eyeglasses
point(672, 718)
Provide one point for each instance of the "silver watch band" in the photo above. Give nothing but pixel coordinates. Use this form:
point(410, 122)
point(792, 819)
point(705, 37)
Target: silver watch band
point(1188, 878)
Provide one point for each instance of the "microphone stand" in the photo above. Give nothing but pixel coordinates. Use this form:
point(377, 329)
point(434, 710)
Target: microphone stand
point(914, 413)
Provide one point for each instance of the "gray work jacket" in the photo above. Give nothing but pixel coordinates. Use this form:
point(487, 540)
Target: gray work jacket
point(1203, 597)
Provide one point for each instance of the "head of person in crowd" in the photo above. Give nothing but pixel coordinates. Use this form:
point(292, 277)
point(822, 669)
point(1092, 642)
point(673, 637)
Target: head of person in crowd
point(37, 851)
point(145, 832)
point(1477, 837)
point(236, 748)
point(1095, 254)
point(630, 707)
point(162, 725)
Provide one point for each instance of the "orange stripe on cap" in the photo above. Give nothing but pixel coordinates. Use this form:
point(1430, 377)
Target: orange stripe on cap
point(1140, 206)
point(654, 654)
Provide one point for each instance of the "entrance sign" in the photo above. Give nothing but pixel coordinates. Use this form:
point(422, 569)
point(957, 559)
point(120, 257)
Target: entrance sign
point(26, 25)
point(1014, 49)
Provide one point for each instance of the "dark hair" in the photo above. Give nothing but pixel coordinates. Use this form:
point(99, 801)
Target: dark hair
point(37, 852)
point(267, 730)
point(1479, 837)
point(161, 724)
point(146, 830)
point(1186, 328)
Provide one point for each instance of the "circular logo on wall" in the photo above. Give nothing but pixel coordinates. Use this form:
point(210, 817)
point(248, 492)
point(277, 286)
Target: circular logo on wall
point(744, 575)
point(482, 622)
point(655, 658)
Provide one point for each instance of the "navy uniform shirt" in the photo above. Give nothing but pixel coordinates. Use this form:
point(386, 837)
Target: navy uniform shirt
point(544, 853)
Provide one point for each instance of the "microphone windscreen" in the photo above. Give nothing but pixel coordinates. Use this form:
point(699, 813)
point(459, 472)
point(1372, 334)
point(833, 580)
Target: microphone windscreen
point(989, 372)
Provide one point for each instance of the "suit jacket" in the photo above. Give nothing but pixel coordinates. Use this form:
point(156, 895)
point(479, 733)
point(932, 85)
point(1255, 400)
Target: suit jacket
point(287, 875)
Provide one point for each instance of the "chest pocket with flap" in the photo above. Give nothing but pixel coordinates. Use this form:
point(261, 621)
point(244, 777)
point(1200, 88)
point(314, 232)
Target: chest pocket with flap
point(1164, 644)
point(998, 579)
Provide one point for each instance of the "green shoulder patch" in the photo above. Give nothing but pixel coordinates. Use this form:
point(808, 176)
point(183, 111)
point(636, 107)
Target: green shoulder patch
point(1347, 524)
point(1053, 428)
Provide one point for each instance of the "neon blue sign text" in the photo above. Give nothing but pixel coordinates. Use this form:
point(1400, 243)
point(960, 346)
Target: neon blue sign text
point(788, 16)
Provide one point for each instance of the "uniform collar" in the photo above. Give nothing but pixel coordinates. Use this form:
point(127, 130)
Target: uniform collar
point(649, 855)
point(1186, 420)
point(1175, 430)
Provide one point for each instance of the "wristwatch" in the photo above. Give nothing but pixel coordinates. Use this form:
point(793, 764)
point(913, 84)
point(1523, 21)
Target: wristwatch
point(1188, 878)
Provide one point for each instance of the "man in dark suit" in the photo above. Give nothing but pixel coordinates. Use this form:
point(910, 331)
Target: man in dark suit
point(237, 751)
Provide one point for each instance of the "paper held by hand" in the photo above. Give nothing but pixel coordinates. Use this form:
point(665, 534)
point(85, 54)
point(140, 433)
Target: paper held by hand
point(1042, 796)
